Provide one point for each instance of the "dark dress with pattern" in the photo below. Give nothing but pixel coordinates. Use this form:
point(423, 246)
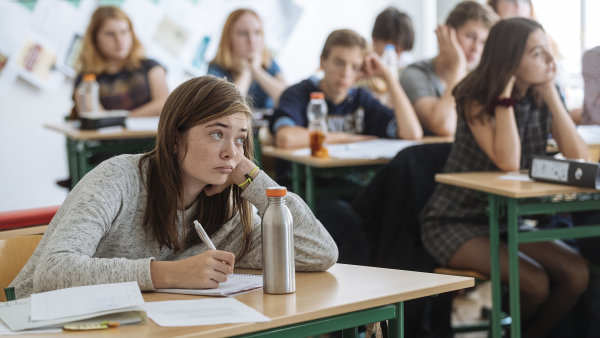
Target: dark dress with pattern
point(126, 89)
point(454, 215)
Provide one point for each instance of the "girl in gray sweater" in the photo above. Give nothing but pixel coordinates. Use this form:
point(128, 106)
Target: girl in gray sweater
point(130, 219)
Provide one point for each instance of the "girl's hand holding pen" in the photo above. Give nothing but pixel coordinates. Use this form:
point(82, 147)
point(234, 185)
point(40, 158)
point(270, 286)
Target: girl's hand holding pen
point(202, 271)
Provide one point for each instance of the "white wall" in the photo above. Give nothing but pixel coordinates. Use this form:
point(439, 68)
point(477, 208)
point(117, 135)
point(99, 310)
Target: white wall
point(33, 158)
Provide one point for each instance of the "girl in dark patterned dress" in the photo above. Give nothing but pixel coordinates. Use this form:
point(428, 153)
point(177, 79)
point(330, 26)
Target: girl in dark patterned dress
point(507, 107)
point(127, 79)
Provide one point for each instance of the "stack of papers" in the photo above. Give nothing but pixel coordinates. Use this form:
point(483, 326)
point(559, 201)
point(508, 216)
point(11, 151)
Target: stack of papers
point(65, 306)
point(369, 150)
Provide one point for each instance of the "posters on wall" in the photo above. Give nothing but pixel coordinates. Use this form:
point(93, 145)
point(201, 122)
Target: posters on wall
point(41, 43)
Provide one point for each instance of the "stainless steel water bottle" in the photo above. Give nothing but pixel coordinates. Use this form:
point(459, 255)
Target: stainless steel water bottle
point(278, 244)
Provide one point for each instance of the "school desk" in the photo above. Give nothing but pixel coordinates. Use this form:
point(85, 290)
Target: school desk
point(84, 144)
point(305, 168)
point(342, 297)
point(514, 198)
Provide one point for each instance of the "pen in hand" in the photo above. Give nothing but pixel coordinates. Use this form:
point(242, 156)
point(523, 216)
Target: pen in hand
point(203, 236)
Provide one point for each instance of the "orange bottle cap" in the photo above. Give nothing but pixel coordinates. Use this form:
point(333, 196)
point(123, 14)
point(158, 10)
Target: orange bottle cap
point(317, 95)
point(276, 191)
point(89, 77)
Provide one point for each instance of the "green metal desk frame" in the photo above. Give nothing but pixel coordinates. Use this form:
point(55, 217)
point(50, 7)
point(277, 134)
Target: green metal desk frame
point(79, 152)
point(347, 322)
point(514, 208)
point(306, 173)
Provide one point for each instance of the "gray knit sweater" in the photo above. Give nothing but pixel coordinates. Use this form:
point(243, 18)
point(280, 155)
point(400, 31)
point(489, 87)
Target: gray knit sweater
point(98, 237)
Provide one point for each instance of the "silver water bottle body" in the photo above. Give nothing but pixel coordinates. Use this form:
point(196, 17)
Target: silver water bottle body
point(278, 247)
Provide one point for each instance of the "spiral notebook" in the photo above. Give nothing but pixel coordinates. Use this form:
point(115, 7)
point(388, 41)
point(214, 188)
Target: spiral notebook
point(236, 283)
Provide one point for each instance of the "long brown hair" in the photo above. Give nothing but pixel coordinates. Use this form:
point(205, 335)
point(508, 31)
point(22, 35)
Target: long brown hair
point(224, 56)
point(500, 59)
point(194, 102)
point(90, 60)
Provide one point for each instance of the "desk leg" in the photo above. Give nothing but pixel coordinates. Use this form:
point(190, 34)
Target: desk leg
point(73, 160)
point(82, 164)
point(296, 179)
point(513, 267)
point(310, 187)
point(396, 325)
point(495, 266)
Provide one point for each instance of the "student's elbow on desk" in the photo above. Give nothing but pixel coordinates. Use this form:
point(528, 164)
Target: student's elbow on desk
point(290, 137)
point(445, 130)
point(508, 165)
point(326, 259)
point(415, 133)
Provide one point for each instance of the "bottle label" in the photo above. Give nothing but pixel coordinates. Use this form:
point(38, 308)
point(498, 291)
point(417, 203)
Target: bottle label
point(317, 138)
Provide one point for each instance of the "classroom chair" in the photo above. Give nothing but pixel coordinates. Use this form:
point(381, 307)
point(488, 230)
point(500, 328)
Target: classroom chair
point(14, 253)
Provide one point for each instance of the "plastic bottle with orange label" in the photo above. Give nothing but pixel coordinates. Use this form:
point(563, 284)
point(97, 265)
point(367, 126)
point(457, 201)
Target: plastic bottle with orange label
point(317, 124)
point(87, 94)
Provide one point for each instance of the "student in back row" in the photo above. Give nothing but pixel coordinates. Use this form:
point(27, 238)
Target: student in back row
point(243, 59)
point(391, 27)
point(429, 83)
point(506, 108)
point(114, 54)
point(353, 113)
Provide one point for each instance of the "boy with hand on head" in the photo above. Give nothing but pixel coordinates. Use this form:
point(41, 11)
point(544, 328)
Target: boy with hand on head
point(429, 83)
point(353, 113)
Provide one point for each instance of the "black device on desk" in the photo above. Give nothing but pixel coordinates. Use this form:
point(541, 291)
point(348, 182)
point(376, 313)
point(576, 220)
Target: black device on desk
point(101, 119)
point(565, 171)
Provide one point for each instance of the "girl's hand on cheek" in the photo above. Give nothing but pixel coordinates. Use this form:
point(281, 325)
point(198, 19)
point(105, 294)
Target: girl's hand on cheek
point(237, 176)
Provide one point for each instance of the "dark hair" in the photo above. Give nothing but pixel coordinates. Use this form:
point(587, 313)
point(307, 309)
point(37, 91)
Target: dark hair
point(194, 102)
point(344, 38)
point(500, 59)
point(396, 26)
point(471, 10)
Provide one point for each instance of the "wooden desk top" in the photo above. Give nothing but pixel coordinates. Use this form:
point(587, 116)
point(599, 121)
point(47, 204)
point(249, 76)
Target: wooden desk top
point(288, 154)
point(71, 131)
point(341, 289)
point(489, 182)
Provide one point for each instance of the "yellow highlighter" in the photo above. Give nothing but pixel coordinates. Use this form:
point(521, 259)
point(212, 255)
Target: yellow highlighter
point(90, 326)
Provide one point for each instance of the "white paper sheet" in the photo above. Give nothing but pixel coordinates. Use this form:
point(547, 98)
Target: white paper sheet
point(590, 134)
point(202, 312)
point(142, 123)
point(515, 176)
point(372, 149)
point(84, 299)
point(5, 331)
